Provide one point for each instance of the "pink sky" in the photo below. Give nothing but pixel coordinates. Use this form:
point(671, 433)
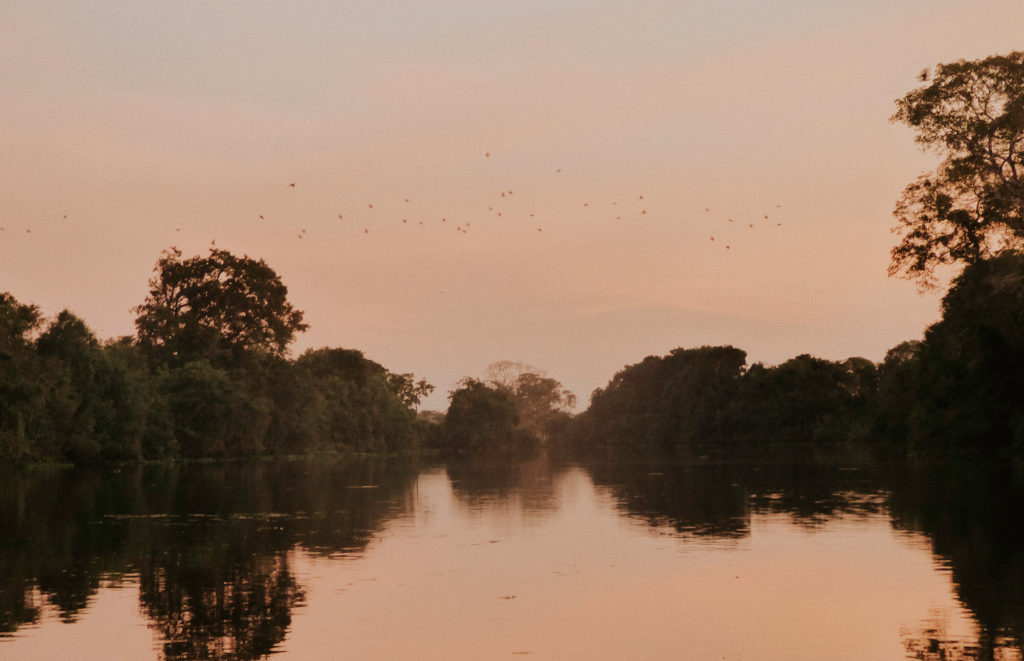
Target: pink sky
point(135, 120)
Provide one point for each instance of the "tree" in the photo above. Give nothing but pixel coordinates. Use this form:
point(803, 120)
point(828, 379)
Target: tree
point(540, 400)
point(972, 205)
point(19, 386)
point(215, 307)
point(483, 419)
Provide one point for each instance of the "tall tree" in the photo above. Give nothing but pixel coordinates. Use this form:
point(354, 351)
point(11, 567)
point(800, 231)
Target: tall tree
point(215, 307)
point(972, 205)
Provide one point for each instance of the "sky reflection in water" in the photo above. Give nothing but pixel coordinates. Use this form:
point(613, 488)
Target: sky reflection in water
point(702, 562)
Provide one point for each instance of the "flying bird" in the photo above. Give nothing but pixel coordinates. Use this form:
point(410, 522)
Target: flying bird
point(707, 209)
point(340, 217)
point(923, 76)
point(487, 154)
point(730, 220)
point(261, 217)
point(558, 170)
point(291, 185)
point(371, 206)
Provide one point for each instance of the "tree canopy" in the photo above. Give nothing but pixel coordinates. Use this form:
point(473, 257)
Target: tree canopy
point(972, 205)
point(208, 307)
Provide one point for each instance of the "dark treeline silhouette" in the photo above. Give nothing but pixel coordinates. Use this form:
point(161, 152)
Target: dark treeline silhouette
point(208, 545)
point(207, 375)
point(958, 389)
point(512, 412)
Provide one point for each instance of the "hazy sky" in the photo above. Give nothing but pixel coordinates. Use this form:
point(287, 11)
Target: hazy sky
point(151, 124)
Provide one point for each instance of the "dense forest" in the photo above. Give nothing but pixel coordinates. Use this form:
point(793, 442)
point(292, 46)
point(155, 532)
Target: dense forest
point(208, 374)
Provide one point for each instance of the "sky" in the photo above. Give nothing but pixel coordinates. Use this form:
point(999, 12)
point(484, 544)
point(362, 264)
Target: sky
point(129, 127)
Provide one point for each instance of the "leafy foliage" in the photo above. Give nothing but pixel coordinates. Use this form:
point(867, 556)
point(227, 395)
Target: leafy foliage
point(215, 307)
point(972, 204)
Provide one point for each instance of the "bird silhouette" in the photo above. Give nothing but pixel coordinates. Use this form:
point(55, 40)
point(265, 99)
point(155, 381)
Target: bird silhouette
point(366, 231)
point(750, 225)
point(371, 206)
point(558, 170)
point(291, 185)
point(707, 209)
point(261, 217)
point(487, 154)
point(177, 229)
point(730, 220)
point(406, 200)
point(643, 211)
point(712, 238)
point(404, 220)
point(923, 76)
point(641, 197)
point(340, 217)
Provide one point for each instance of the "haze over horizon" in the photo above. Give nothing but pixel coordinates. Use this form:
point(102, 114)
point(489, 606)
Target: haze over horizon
point(132, 128)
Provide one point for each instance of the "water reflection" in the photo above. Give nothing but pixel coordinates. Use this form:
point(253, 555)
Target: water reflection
point(225, 558)
point(209, 545)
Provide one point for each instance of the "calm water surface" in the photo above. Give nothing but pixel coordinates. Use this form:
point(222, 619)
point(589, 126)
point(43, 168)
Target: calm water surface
point(367, 560)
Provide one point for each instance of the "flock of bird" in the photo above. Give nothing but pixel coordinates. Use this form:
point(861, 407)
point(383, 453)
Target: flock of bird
point(636, 209)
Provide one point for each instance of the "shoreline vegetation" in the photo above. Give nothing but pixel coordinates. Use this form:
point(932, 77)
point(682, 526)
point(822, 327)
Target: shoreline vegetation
point(66, 397)
point(208, 376)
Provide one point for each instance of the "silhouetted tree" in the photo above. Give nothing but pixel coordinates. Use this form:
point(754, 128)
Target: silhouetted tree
point(215, 307)
point(484, 419)
point(20, 390)
point(969, 378)
point(972, 114)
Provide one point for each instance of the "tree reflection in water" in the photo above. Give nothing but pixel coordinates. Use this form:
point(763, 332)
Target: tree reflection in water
point(210, 544)
point(213, 547)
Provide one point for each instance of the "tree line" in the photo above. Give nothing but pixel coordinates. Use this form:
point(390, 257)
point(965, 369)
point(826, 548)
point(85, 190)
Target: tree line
point(207, 373)
point(206, 376)
point(960, 387)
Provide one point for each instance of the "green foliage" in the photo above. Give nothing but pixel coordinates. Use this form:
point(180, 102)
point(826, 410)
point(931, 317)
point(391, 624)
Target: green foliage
point(483, 419)
point(20, 391)
point(207, 378)
point(969, 377)
point(214, 308)
point(356, 407)
point(972, 204)
point(666, 401)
